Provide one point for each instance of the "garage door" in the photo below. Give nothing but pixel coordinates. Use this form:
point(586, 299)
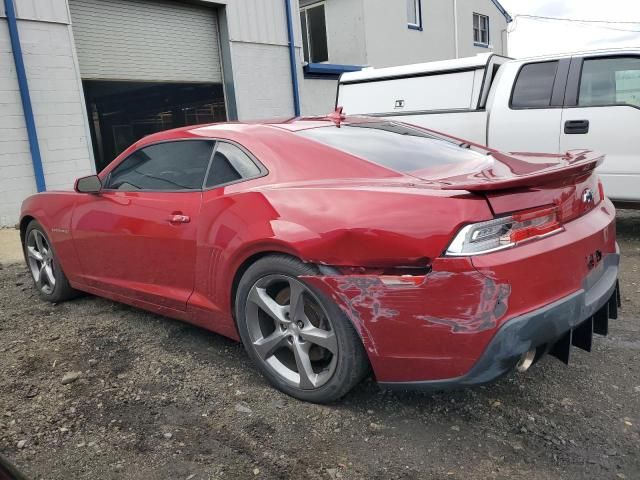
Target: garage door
point(147, 40)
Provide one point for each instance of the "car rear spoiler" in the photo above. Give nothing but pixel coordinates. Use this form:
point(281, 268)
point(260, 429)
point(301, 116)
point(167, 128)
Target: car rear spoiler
point(519, 170)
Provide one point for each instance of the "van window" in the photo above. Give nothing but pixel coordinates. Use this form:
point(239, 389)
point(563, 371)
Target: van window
point(610, 81)
point(392, 145)
point(534, 85)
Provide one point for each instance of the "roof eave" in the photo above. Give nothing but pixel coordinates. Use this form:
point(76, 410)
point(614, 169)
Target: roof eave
point(503, 11)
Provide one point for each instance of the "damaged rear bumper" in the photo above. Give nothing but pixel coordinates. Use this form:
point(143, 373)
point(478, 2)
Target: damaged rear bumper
point(554, 329)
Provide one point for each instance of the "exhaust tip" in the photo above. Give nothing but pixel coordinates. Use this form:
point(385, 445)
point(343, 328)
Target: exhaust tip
point(526, 360)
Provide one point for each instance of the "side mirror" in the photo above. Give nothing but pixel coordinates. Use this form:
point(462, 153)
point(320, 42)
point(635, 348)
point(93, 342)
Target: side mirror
point(90, 184)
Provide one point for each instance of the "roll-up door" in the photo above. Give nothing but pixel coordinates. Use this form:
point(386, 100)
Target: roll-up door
point(146, 40)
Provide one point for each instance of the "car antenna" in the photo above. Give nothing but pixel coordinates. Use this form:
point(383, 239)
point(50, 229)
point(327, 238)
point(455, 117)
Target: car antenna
point(337, 116)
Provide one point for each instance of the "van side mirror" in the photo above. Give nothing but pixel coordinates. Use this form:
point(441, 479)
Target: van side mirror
point(90, 184)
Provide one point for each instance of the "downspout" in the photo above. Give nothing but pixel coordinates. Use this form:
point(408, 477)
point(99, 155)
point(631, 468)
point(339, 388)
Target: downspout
point(36, 159)
point(292, 59)
point(455, 26)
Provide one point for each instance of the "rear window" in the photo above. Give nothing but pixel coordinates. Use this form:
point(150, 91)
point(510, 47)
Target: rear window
point(534, 86)
point(392, 145)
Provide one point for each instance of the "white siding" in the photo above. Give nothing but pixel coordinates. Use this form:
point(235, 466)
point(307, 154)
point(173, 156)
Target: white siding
point(146, 40)
point(318, 96)
point(260, 57)
point(43, 10)
point(262, 76)
point(259, 21)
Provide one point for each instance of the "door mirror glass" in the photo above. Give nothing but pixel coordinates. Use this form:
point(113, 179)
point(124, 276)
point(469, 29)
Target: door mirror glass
point(90, 184)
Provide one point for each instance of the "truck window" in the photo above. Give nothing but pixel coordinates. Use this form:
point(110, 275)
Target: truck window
point(610, 81)
point(534, 85)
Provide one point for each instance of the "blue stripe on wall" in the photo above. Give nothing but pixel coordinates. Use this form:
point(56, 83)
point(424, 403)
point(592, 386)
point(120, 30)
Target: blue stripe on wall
point(292, 60)
point(36, 159)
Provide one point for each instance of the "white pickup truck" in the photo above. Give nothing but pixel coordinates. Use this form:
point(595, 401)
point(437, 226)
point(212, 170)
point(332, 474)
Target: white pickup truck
point(546, 104)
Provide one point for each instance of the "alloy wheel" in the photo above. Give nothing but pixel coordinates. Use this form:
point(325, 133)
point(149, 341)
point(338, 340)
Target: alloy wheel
point(291, 332)
point(40, 259)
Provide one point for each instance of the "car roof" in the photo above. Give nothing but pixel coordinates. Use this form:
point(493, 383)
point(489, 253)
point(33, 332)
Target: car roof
point(234, 129)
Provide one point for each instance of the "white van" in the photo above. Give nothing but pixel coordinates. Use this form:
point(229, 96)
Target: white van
point(546, 104)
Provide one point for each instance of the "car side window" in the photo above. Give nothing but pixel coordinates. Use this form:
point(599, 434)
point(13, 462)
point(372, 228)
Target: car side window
point(610, 81)
point(230, 164)
point(534, 85)
point(180, 165)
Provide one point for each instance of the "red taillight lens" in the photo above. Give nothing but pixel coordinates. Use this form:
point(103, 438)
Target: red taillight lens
point(505, 232)
point(534, 223)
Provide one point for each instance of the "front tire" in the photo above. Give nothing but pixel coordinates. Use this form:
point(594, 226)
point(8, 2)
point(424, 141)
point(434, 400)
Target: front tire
point(46, 272)
point(298, 338)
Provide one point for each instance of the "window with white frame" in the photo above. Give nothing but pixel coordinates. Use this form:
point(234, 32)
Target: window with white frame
point(314, 33)
point(480, 30)
point(414, 14)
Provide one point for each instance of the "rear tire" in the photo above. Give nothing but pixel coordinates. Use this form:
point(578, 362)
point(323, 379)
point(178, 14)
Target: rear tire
point(46, 272)
point(299, 339)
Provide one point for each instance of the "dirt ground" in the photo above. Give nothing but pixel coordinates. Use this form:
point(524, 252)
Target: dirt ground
point(160, 399)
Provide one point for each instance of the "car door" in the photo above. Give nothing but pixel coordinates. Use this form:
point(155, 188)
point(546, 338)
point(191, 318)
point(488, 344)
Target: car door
point(223, 218)
point(526, 109)
point(602, 113)
point(137, 238)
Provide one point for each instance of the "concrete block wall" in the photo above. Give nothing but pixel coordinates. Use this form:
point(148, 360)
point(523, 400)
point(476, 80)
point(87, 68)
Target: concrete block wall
point(58, 105)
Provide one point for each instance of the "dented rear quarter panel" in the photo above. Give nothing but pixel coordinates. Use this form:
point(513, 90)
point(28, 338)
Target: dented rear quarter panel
point(437, 327)
point(363, 226)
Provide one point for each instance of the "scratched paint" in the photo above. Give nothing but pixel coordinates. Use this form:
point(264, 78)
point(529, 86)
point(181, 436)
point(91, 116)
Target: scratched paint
point(439, 322)
point(463, 301)
point(491, 307)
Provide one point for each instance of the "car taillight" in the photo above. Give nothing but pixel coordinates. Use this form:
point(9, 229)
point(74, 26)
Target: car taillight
point(505, 232)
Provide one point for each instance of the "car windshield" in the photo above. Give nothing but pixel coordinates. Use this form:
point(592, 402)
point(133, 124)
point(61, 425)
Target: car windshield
point(393, 145)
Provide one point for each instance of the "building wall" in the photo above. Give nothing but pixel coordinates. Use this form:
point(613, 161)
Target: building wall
point(375, 33)
point(258, 47)
point(497, 28)
point(436, 40)
point(345, 31)
point(346, 44)
point(57, 100)
point(318, 96)
point(259, 74)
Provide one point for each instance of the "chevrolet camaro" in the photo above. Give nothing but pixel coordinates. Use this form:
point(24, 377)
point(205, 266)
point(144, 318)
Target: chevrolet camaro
point(334, 246)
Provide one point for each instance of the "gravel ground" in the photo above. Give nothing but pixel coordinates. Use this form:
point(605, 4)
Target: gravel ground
point(95, 389)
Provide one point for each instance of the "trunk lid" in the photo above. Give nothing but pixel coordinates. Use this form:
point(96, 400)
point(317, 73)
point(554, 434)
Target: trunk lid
point(518, 181)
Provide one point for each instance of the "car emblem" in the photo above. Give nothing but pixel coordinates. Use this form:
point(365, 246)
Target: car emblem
point(587, 196)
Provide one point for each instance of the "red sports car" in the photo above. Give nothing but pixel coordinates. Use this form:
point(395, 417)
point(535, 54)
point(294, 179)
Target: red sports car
point(334, 245)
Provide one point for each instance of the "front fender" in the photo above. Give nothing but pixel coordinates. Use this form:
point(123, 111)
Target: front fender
point(53, 211)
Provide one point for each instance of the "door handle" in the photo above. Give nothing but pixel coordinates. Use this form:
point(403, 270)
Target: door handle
point(576, 127)
point(179, 218)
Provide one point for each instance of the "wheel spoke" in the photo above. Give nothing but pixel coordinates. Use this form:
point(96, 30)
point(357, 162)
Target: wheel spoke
point(266, 346)
point(322, 338)
point(40, 274)
point(296, 301)
point(39, 244)
point(308, 378)
point(33, 253)
point(261, 298)
point(51, 279)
